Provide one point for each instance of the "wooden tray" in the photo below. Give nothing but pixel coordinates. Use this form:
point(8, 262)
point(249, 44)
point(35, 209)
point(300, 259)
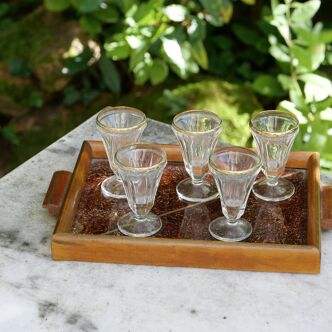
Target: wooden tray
point(286, 236)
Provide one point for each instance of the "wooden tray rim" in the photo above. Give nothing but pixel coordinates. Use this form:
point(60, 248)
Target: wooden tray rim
point(298, 159)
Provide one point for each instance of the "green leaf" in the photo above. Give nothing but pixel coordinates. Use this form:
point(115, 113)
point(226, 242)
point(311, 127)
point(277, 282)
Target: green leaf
point(77, 64)
point(137, 56)
point(196, 29)
point(285, 81)
point(57, 5)
point(267, 85)
point(176, 13)
point(87, 6)
point(226, 10)
point(90, 25)
point(316, 87)
point(279, 9)
point(315, 139)
point(303, 56)
point(249, 2)
point(110, 74)
point(322, 105)
point(135, 42)
point(174, 53)
point(245, 34)
point(141, 72)
point(117, 50)
point(215, 20)
point(317, 56)
point(218, 12)
point(281, 23)
point(199, 54)
point(179, 56)
point(309, 58)
point(148, 13)
point(158, 71)
point(326, 36)
point(107, 15)
point(279, 51)
point(288, 106)
point(126, 5)
point(326, 114)
point(304, 11)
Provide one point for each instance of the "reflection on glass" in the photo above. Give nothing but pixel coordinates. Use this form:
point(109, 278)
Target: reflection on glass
point(274, 133)
point(270, 224)
point(235, 170)
point(140, 167)
point(197, 133)
point(118, 127)
point(195, 222)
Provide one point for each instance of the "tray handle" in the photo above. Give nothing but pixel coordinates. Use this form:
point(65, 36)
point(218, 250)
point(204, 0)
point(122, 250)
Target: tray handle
point(56, 192)
point(326, 207)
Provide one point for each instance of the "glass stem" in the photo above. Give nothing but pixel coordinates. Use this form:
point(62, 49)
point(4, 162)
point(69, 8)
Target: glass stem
point(272, 181)
point(197, 180)
point(232, 221)
point(140, 218)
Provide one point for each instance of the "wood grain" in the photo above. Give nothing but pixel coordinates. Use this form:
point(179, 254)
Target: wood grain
point(56, 192)
point(326, 208)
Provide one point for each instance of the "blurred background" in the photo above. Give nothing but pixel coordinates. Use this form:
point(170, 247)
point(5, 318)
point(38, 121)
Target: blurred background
point(61, 61)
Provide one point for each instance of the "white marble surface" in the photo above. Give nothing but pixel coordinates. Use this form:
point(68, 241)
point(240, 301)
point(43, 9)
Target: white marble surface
point(38, 294)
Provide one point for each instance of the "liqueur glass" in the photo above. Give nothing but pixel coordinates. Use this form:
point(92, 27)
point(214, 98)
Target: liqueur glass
point(118, 126)
point(140, 167)
point(274, 133)
point(197, 133)
point(235, 170)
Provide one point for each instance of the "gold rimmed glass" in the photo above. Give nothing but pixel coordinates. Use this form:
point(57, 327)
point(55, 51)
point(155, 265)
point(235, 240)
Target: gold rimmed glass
point(197, 133)
point(140, 167)
point(274, 133)
point(235, 170)
point(118, 126)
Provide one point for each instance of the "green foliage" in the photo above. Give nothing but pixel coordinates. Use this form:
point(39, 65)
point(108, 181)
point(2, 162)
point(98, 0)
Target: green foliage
point(283, 57)
point(57, 5)
point(300, 47)
point(110, 74)
point(233, 103)
point(267, 85)
point(152, 37)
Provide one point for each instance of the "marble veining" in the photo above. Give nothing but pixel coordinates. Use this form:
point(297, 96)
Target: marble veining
point(39, 294)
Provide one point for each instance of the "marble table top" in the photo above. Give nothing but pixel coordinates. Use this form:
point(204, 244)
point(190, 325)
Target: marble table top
point(39, 294)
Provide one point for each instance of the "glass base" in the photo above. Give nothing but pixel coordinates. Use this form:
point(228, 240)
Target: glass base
point(129, 225)
point(222, 229)
point(280, 192)
point(112, 187)
point(190, 192)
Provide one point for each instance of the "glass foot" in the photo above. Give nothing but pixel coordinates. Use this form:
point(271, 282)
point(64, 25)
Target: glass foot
point(222, 229)
point(112, 187)
point(190, 192)
point(129, 225)
point(280, 192)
